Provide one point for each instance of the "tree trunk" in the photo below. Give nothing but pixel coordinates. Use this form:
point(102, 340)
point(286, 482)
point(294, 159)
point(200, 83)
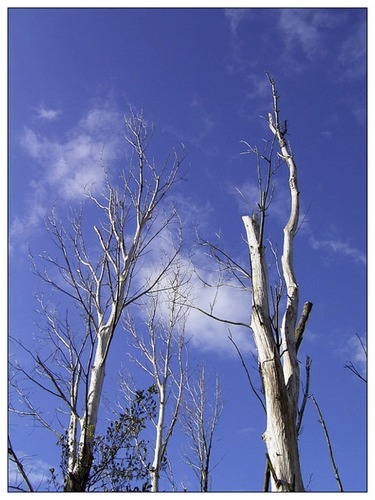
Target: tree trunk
point(280, 436)
point(279, 368)
point(158, 452)
point(78, 475)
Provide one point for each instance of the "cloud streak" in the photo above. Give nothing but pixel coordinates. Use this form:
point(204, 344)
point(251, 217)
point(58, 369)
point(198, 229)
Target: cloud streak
point(235, 17)
point(69, 165)
point(38, 472)
point(300, 29)
point(48, 114)
point(339, 247)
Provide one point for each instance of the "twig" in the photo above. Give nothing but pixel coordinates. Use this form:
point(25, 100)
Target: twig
point(352, 368)
point(19, 465)
point(305, 396)
point(247, 373)
point(321, 420)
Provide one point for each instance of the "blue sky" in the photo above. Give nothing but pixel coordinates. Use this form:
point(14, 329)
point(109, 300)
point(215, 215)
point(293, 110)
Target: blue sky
point(199, 75)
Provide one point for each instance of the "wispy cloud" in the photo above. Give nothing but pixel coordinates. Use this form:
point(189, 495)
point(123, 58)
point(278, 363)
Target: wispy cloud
point(351, 58)
point(35, 211)
point(237, 61)
point(300, 30)
point(235, 17)
point(207, 121)
point(356, 351)
point(69, 164)
point(339, 247)
point(48, 114)
point(308, 33)
point(248, 199)
point(38, 472)
point(207, 305)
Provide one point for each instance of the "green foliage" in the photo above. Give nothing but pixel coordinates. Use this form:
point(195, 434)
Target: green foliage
point(120, 455)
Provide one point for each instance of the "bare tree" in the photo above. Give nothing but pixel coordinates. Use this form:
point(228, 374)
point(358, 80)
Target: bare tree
point(100, 278)
point(161, 355)
point(277, 348)
point(199, 420)
point(277, 333)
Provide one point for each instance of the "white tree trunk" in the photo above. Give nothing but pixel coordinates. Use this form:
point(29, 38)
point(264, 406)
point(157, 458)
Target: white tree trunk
point(161, 357)
point(279, 369)
point(158, 451)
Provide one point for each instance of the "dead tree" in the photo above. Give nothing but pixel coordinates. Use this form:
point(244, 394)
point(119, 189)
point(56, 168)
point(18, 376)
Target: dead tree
point(160, 354)
point(99, 277)
point(199, 420)
point(277, 347)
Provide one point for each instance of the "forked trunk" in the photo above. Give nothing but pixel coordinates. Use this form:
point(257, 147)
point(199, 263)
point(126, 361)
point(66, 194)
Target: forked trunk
point(278, 363)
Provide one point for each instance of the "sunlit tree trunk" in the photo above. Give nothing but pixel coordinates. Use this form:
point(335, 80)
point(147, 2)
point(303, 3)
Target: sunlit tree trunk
point(278, 362)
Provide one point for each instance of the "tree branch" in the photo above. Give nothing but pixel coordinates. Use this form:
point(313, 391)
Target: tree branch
point(17, 461)
point(248, 374)
point(321, 420)
point(302, 323)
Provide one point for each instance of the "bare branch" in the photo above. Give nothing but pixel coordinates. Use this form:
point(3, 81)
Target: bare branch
point(321, 420)
point(199, 421)
point(13, 456)
point(247, 374)
point(306, 396)
point(352, 368)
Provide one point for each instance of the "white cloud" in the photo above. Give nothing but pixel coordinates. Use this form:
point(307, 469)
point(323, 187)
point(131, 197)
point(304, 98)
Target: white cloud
point(37, 470)
point(358, 351)
point(351, 59)
point(230, 303)
point(339, 247)
point(354, 352)
point(69, 164)
point(299, 28)
point(235, 17)
point(35, 211)
point(210, 334)
point(205, 118)
point(305, 32)
point(48, 114)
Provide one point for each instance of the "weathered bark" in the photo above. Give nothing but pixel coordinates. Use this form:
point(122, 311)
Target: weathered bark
point(279, 368)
